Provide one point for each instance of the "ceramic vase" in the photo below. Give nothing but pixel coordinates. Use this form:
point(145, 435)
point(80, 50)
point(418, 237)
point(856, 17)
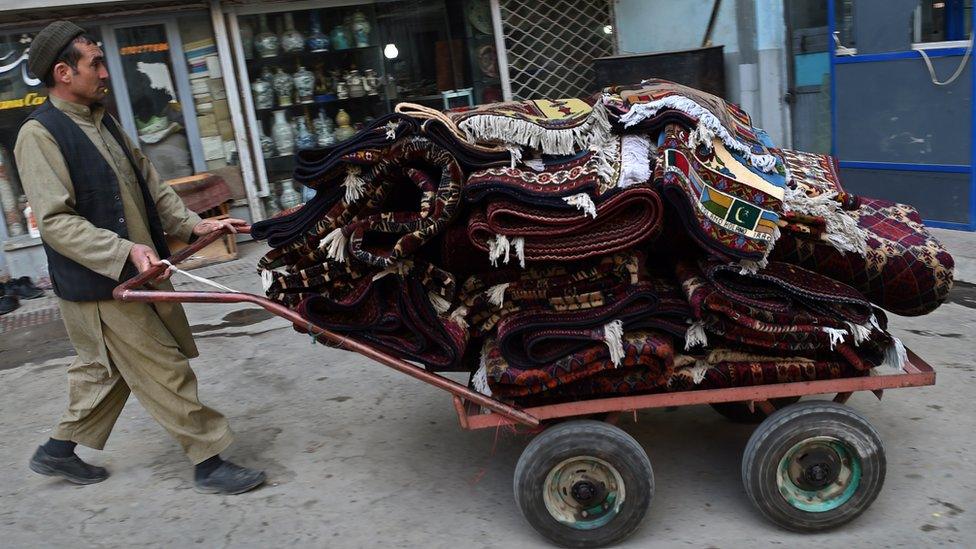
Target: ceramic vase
point(342, 90)
point(340, 38)
point(283, 87)
point(371, 81)
point(317, 41)
point(355, 83)
point(345, 130)
point(266, 42)
point(360, 29)
point(291, 39)
point(281, 132)
point(304, 139)
point(263, 94)
point(289, 196)
point(304, 84)
point(267, 144)
point(324, 129)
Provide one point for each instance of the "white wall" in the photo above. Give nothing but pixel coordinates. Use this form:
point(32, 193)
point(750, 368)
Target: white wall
point(648, 26)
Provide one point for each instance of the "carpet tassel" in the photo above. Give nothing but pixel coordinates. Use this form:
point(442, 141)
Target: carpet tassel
point(695, 336)
point(836, 336)
point(354, 184)
point(582, 201)
point(613, 336)
point(496, 294)
point(480, 379)
point(335, 245)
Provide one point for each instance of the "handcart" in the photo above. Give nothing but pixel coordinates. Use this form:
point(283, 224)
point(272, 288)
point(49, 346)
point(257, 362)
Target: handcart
point(583, 482)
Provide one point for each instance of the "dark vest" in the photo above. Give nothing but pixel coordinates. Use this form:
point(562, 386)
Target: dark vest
point(97, 199)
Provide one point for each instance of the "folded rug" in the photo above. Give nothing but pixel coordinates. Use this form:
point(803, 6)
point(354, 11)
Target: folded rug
point(397, 312)
point(552, 126)
point(724, 368)
point(785, 309)
point(621, 220)
point(647, 355)
point(535, 336)
point(905, 270)
point(485, 298)
point(284, 229)
point(729, 210)
point(635, 108)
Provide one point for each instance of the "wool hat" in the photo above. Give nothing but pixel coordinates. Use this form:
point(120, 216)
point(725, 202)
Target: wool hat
point(48, 43)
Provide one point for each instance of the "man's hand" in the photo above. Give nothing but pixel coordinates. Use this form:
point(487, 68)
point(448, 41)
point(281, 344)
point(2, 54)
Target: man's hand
point(144, 258)
point(208, 226)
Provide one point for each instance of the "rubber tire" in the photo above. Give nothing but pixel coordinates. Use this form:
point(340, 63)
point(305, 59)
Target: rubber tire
point(738, 412)
point(785, 428)
point(584, 438)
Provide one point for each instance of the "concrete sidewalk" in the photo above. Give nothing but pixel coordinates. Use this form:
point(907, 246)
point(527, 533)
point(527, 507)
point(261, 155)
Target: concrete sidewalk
point(359, 455)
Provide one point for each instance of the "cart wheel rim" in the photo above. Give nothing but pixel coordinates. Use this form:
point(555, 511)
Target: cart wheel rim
point(584, 492)
point(819, 474)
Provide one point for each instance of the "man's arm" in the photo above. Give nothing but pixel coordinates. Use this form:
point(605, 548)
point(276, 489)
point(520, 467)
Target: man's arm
point(47, 184)
point(177, 219)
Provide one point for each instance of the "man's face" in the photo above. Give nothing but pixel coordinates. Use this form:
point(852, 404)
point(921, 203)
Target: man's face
point(89, 82)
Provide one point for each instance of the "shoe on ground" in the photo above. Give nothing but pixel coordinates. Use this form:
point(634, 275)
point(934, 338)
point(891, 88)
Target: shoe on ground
point(8, 303)
point(69, 468)
point(230, 479)
point(23, 288)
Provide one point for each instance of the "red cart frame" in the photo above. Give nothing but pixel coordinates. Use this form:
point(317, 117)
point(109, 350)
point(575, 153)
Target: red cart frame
point(477, 411)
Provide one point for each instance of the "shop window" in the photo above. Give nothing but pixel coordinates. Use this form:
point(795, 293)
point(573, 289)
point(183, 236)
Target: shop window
point(152, 86)
point(317, 75)
point(943, 22)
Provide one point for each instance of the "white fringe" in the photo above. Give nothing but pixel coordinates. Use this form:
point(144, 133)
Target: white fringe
point(842, 231)
point(613, 336)
point(440, 304)
point(695, 336)
point(713, 127)
point(895, 356)
point(860, 333)
point(519, 244)
point(698, 372)
point(267, 279)
point(582, 201)
point(536, 164)
point(836, 336)
point(354, 184)
point(480, 379)
point(635, 160)
point(459, 316)
point(516, 153)
point(487, 127)
point(496, 294)
point(497, 247)
point(335, 242)
point(874, 322)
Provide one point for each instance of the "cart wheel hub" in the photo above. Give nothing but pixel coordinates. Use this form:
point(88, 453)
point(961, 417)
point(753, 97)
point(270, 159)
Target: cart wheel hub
point(819, 474)
point(583, 492)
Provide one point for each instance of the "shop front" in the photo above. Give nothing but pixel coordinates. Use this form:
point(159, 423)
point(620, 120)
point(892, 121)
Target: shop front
point(235, 88)
point(313, 73)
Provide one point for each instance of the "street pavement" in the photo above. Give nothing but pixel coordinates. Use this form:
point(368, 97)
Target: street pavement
point(358, 455)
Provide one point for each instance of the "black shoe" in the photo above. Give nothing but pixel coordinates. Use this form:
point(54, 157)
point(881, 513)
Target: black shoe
point(70, 468)
point(8, 303)
point(230, 479)
point(23, 288)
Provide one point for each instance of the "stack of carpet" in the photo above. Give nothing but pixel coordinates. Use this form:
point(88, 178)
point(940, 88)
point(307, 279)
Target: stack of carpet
point(648, 238)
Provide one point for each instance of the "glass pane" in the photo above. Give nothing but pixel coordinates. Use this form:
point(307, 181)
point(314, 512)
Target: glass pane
point(155, 103)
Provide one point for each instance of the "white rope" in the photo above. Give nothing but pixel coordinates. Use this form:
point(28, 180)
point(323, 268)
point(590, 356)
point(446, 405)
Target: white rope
point(962, 64)
point(200, 279)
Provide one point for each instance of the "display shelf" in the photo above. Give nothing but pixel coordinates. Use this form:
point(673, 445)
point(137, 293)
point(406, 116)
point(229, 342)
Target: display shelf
point(378, 99)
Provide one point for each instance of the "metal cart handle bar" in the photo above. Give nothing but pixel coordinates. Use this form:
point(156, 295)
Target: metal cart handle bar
point(127, 291)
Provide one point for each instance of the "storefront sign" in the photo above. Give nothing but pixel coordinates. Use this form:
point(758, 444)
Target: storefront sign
point(30, 100)
point(144, 48)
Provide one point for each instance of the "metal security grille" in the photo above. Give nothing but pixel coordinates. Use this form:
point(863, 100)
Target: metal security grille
point(551, 45)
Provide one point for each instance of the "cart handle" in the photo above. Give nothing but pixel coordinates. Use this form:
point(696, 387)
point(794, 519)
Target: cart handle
point(127, 291)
